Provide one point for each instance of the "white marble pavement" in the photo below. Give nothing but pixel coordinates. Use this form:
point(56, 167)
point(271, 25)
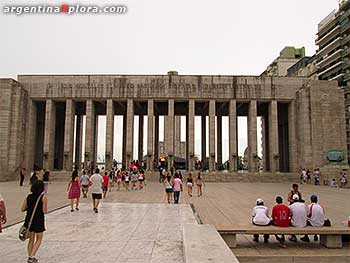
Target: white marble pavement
point(120, 232)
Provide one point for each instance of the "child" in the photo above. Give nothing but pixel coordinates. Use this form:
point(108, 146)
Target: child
point(105, 184)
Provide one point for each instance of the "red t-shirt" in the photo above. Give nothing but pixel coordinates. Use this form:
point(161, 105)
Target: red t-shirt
point(281, 215)
point(105, 180)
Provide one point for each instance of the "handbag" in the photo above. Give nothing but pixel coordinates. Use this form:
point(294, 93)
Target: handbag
point(24, 231)
point(327, 222)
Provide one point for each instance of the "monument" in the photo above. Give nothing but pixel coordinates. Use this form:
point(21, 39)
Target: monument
point(302, 120)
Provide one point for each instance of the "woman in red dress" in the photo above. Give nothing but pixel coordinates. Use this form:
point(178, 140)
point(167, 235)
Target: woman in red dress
point(74, 191)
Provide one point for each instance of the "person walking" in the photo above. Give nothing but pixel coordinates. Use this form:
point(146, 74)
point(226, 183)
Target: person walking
point(168, 184)
point(74, 191)
point(119, 180)
point(96, 181)
point(3, 218)
point(177, 187)
point(189, 184)
point(84, 179)
point(294, 191)
point(105, 184)
point(22, 173)
point(199, 183)
point(37, 227)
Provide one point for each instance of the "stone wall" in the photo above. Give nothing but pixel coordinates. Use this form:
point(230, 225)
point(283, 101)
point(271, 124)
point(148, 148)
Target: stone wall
point(13, 108)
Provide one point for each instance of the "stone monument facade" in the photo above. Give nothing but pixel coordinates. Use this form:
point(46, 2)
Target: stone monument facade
point(42, 115)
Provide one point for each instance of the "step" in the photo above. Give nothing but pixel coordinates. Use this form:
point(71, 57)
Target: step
point(202, 243)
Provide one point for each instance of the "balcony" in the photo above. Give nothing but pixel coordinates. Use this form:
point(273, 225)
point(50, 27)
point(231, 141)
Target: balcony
point(328, 36)
point(329, 47)
point(330, 68)
point(331, 58)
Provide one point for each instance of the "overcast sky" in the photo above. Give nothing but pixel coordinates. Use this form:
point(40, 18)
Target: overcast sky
point(237, 37)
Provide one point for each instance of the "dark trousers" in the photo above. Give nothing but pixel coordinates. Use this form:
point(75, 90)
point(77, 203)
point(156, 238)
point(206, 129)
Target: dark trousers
point(21, 180)
point(176, 197)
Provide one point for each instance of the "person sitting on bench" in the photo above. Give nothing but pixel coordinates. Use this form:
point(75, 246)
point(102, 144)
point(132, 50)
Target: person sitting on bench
point(298, 213)
point(260, 218)
point(280, 218)
point(315, 217)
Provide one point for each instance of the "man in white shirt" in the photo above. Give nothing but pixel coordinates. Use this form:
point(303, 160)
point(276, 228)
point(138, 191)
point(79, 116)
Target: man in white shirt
point(315, 217)
point(96, 181)
point(260, 217)
point(298, 213)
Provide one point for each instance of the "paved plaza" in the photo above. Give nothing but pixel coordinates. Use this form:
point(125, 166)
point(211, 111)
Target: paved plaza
point(222, 203)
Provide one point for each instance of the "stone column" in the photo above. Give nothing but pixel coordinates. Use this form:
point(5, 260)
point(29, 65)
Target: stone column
point(31, 135)
point(49, 134)
point(190, 133)
point(293, 151)
point(90, 132)
point(170, 131)
point(69, 135)
point(219, 140)
point(140, 149)
point(233, 136)
point(252, 137)
point(212, 135)
point(204, 140)
point(265, 158)
point(156, 138)
point(150, 134)
point(79, 142)
point(129, 132)
point(109, 134)
point(273, 137)
point(124, 165)
point(177, 136)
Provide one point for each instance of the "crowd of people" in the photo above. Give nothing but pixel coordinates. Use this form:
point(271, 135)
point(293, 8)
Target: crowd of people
point(296, 214)
point(174, 184)
point(306, 178)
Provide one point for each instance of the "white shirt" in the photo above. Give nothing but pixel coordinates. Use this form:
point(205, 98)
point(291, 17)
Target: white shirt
point(84, 179)
point(96, 180)
point(299, 213)
point(316, 215)
point(261, 215)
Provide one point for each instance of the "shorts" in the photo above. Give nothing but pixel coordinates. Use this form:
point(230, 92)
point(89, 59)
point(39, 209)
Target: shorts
point(84, 187)
point(189, 184)
point(104, 188)
point(119, 180)
point(168, 190)
point(96, 196)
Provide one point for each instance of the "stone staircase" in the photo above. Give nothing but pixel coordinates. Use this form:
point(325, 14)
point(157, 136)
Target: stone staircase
point(211, 177)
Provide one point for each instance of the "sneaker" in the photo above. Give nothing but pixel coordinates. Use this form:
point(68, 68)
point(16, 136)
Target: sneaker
point(305, 239)
point(77, 208)
point(96, 211)
point(32, 260)
point(256, 240)
point(72, 210)
point(315, 238)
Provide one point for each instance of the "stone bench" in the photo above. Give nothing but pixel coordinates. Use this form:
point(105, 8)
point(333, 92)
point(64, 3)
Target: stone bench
point(202, 243)
point(330, 237)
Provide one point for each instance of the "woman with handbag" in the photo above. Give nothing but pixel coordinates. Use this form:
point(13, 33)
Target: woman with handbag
point(36, 207)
